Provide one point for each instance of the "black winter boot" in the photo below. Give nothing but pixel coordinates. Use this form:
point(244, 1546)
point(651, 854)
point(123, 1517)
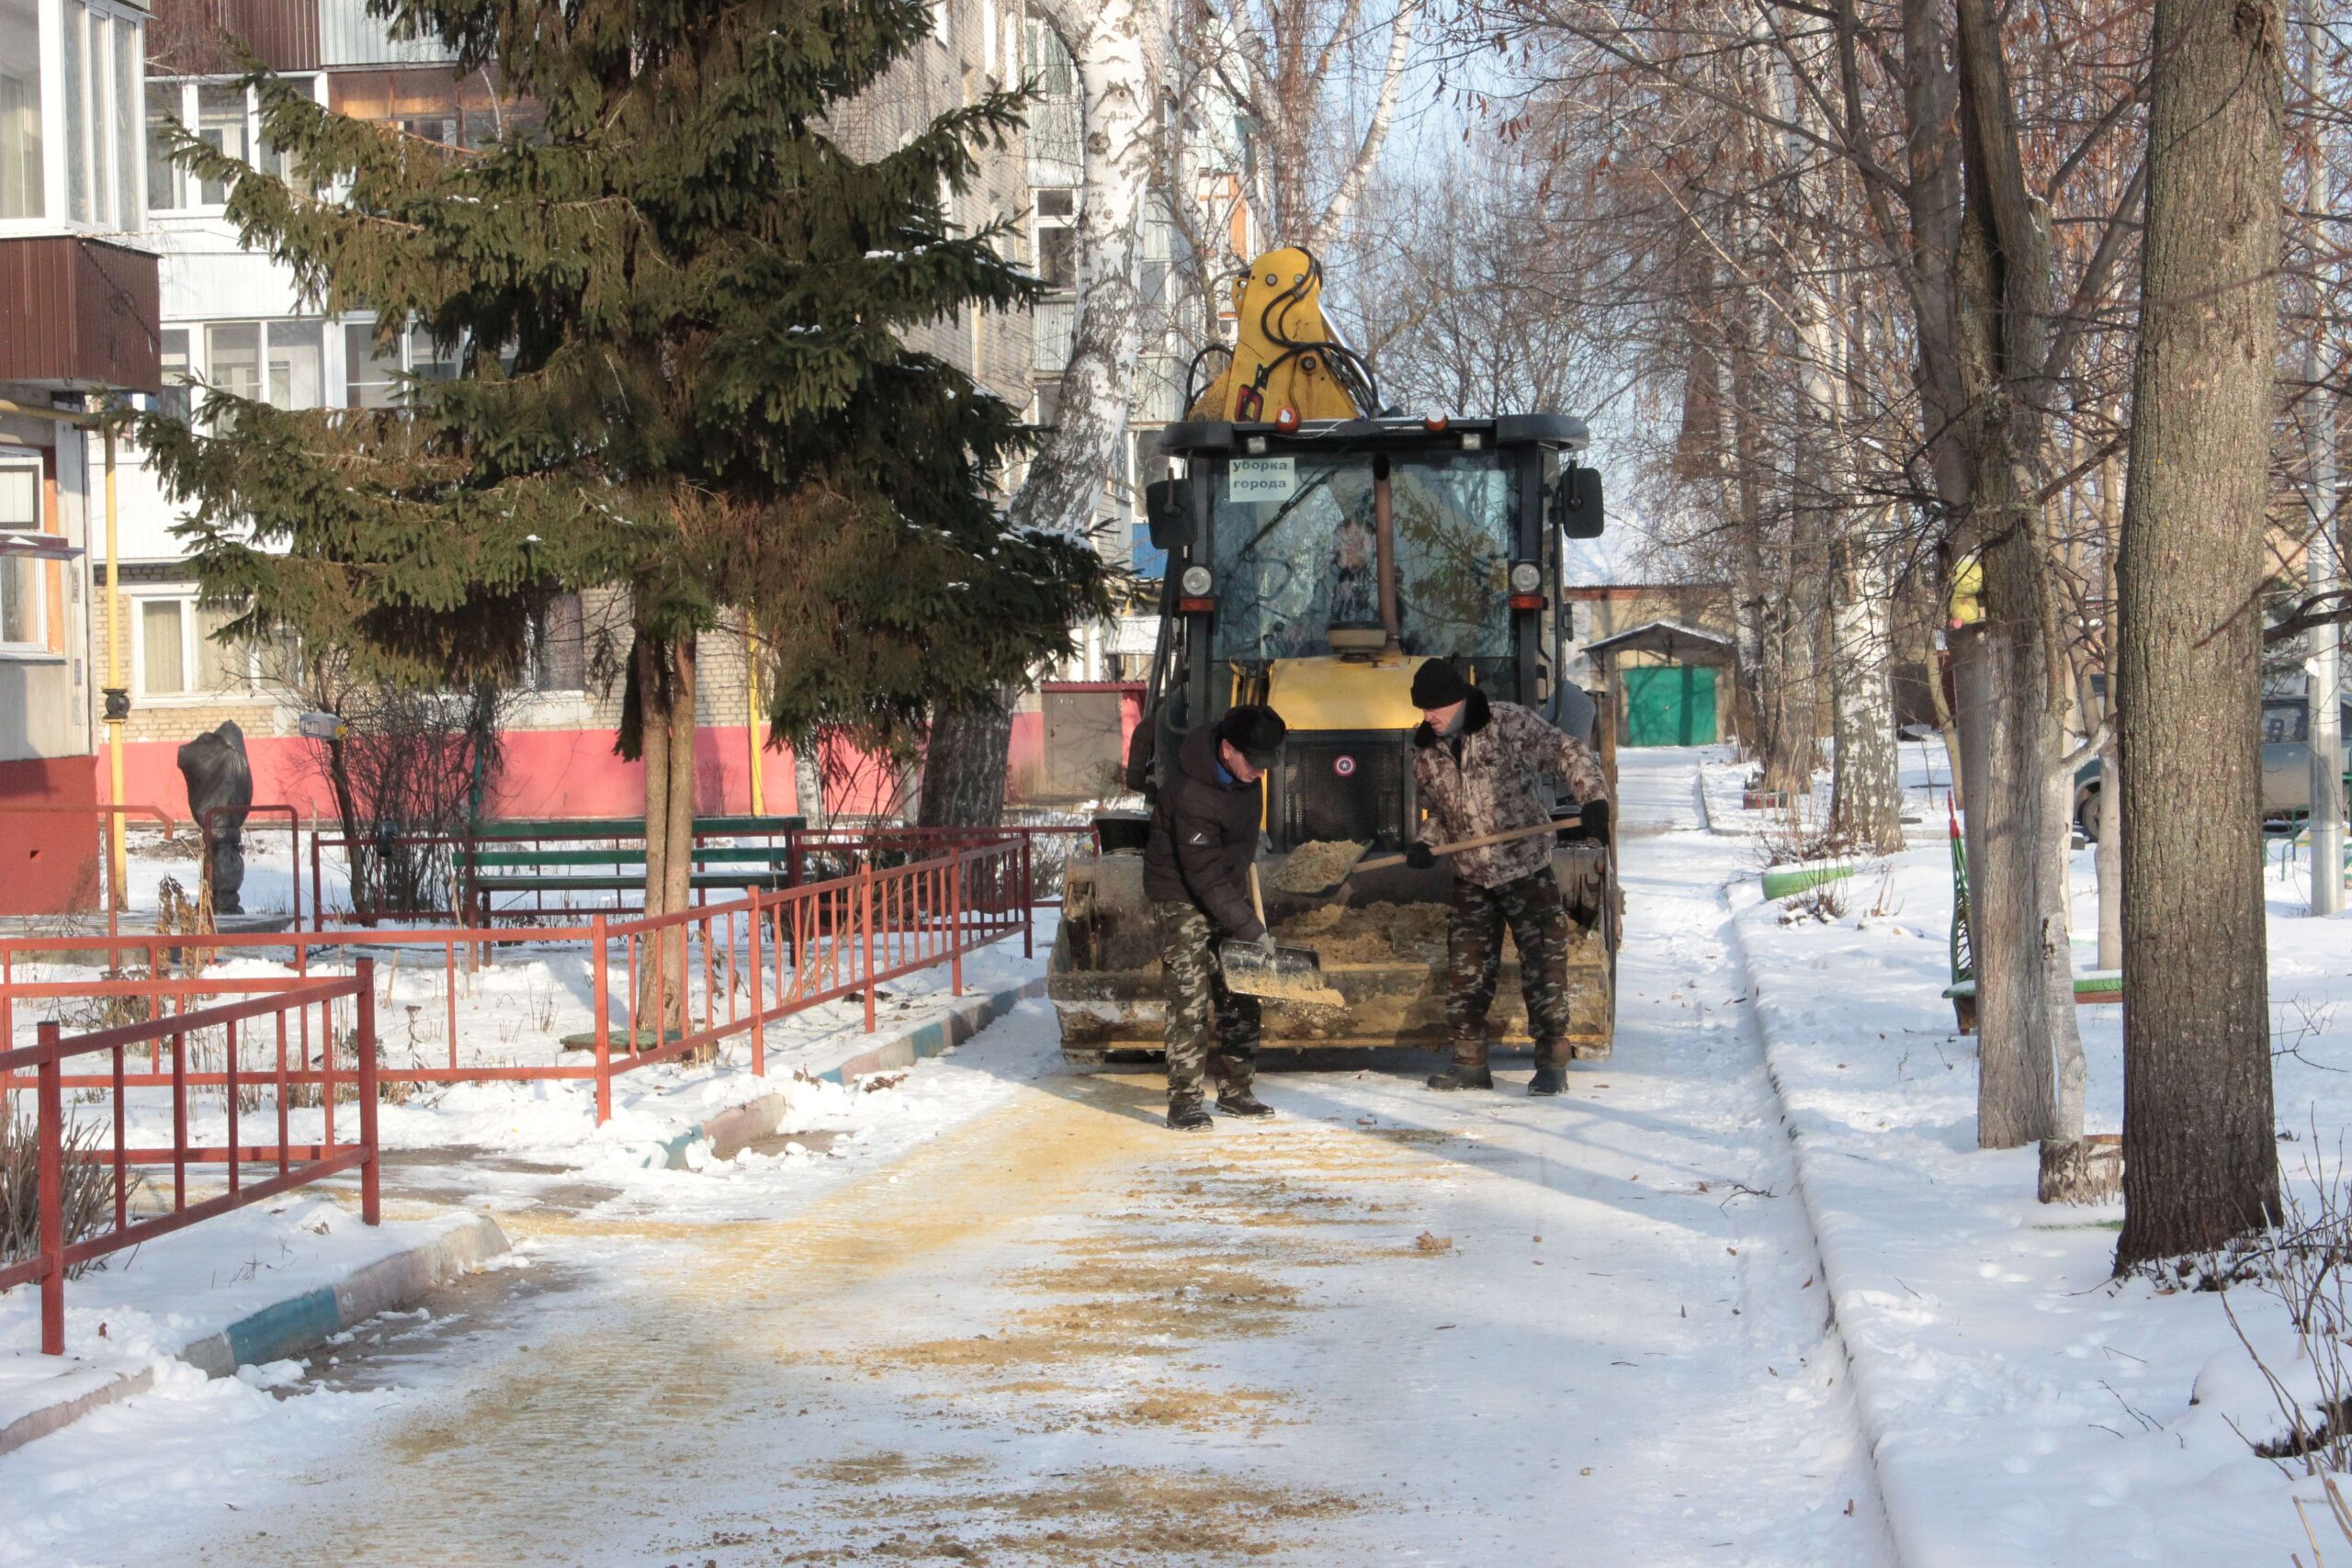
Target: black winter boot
point(1186, 1115)
point(1242, 1102)
point(1548, 1080)
point(1462, 1076)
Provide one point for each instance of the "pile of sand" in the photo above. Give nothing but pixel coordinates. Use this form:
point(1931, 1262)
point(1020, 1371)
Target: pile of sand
point(1314, 868)
point(1371, 933)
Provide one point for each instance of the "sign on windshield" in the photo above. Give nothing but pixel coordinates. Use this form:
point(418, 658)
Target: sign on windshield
point(1261, 479)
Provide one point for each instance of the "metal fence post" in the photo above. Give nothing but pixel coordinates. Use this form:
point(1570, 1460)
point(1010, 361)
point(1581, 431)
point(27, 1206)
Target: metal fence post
point(759, 1011)
point(956, 861)
point(599, 983)
point(371, 1193)
point(865, 923)
point(51, 1097)
point(1028, 903)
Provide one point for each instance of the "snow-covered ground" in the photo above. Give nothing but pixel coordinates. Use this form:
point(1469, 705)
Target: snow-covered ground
point(991, 1311)
point(142, 1306)
point(2023, 1407)
point(1002, 1314)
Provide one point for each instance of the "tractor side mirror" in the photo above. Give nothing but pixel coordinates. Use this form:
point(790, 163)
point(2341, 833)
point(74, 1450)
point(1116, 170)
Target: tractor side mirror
point(1168, 509)
point(1577, 502)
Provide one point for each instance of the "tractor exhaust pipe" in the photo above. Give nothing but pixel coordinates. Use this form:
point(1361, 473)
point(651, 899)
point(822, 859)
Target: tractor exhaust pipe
point(1384, 519)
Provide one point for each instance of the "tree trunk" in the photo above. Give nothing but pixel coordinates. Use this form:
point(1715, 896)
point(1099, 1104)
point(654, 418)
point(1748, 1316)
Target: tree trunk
point(808, 782)
point(2200, 1166)
point(963, 770)
point(1116, 45)
point(2109, 853)
point(665, 698)
point(2025, 994)
point(1866, 791)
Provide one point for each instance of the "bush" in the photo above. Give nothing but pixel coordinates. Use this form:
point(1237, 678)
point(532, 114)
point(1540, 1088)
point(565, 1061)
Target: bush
point(89, 1188)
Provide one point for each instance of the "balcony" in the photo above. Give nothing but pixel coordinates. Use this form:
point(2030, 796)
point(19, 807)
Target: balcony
point(77, 314)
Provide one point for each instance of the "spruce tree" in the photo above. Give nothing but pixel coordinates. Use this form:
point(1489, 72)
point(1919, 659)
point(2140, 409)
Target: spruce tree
point(680, 308)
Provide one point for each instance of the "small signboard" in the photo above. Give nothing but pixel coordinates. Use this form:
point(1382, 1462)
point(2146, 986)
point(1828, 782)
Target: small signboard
point(1261, 479)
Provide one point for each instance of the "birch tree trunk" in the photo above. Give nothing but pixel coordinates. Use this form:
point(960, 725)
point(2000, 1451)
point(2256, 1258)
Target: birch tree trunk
point(2199, 1166)
point(1117, 45)
point(1865, 792)
point(809, 782)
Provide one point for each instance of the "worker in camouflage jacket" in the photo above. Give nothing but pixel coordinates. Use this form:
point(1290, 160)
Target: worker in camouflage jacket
point(1205, 828)
point(1478, 769)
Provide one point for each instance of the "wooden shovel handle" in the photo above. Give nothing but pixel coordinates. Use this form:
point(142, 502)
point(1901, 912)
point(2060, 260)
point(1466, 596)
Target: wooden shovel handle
point(1257, 902)
point(1479, 842)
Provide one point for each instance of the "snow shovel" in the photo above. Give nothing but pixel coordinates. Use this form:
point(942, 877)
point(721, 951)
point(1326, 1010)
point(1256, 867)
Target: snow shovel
point(1283, 973)
point(1340, 872)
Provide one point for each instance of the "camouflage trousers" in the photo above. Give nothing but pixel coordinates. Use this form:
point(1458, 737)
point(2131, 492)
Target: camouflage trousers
point(1198, 1000)
point(1538, 918)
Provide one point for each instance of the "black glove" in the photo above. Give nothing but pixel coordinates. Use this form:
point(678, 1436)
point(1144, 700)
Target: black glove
point(1420, 856)
point(1594, 818)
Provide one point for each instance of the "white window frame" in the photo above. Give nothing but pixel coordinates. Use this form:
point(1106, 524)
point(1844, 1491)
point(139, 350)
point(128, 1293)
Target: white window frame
point(30, 459)
point(136, 598)
point(188, 87)
point(104, 123)
point(332, 379)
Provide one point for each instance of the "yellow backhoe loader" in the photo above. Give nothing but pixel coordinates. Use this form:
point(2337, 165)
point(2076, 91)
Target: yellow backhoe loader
point(1318, 552)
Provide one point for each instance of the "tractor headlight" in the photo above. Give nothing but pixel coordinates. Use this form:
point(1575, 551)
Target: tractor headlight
point(1197, 581)
point(1526, 577)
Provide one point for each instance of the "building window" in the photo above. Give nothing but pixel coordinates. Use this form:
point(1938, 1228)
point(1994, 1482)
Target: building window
point(101, 52)
point(280, 363)
point(225, 118)
point(430, 104)
point(559, 647)
point(174, 399)
point(20, 170)
point(21, 609)
point(177, 656)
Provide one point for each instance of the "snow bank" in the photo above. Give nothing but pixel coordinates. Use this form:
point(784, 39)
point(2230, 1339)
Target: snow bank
point(2023, 1407)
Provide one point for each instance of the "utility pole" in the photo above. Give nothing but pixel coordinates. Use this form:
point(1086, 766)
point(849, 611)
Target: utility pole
point(2323, 561)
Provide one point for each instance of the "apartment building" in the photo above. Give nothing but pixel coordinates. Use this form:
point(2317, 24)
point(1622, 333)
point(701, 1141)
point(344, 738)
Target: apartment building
point(231, 318)
point(78, 315)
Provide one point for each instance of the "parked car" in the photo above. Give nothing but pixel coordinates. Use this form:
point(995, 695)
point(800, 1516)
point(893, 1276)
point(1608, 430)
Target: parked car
point(2286, 765)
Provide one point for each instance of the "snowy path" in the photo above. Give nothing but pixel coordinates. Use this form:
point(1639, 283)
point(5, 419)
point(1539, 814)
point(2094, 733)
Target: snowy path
point(1043, 1329)
point(1658, 787)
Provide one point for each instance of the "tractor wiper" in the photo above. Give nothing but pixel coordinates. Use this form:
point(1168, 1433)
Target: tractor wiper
point(1287, 508)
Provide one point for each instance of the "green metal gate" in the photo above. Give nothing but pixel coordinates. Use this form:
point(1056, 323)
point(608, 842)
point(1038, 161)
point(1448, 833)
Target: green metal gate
point(1670, 704)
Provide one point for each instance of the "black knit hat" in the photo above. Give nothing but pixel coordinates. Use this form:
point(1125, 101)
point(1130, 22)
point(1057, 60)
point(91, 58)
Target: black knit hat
point(1256, 731)
point(1437, 684)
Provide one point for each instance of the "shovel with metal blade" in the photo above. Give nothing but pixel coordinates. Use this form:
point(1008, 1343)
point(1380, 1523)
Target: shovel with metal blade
point(1284, 974)
point(1341, 871)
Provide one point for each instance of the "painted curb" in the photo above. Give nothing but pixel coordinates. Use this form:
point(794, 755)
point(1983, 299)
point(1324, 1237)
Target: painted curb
point(729, 1132)
point(287, 1327)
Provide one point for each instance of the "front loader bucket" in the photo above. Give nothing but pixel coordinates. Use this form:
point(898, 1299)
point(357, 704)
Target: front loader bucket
point(1382, 951)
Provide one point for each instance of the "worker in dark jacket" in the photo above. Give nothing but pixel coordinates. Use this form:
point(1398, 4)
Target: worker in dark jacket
point(1196, 874)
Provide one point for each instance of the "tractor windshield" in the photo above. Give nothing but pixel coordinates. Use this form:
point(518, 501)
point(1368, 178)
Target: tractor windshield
point(1294, 551)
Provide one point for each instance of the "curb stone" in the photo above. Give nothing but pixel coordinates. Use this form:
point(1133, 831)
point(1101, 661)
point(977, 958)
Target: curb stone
point(1861, 1371)
point(282, 1329)
point(731, 1131)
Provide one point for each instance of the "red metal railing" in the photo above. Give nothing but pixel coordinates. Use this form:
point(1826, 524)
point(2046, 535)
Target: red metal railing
point(662, 988)
point(806, 851)
point(297, 1164)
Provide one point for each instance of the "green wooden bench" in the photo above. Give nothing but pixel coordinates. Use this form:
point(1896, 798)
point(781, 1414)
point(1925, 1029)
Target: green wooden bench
point(539, 859)
point(2096, 986)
